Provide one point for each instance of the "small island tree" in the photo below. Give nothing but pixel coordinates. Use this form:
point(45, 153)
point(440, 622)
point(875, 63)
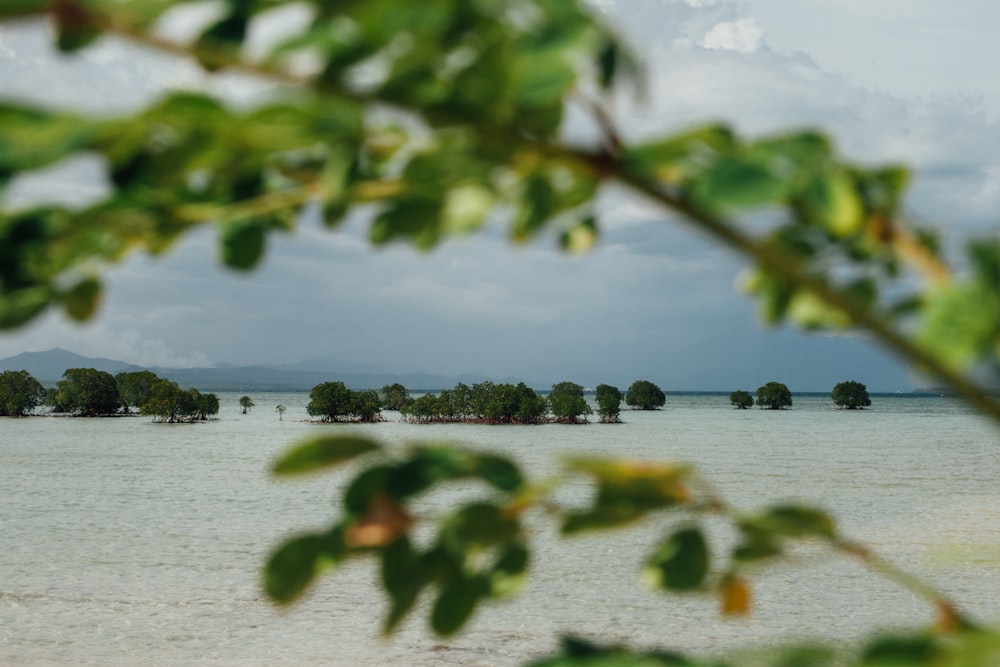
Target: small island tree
point(135, 388)
point(88, 392)
point(774, 396)
point(609, 403)
point(330, 401)
point(741, 399)
point(365, 406)
point(394, 396)
point(567, 404)
point(644, 395)
point(246, 403)
point(851, 395)
point(20, 393)
point(280, 409)
point(169, 403)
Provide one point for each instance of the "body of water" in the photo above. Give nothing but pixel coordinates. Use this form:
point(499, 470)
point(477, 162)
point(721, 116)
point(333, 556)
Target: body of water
point(126, 542)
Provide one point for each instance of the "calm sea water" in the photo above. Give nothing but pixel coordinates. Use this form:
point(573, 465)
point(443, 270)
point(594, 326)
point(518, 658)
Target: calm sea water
point(126, 542)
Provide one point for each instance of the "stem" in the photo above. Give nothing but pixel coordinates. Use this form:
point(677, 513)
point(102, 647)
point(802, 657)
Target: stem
point(951, 616)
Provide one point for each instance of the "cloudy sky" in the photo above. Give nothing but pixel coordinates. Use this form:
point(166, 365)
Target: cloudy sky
point(894, 81)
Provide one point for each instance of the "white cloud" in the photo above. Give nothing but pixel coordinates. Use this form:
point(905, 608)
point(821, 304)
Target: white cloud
point(743, 35)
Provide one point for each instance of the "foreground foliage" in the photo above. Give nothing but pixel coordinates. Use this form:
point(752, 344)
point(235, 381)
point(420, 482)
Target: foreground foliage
point(444, 115)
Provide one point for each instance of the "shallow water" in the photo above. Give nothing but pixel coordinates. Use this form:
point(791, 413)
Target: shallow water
point(126, 541)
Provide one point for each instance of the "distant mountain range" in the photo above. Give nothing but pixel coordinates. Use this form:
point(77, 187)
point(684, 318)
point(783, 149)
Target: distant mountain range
point(48, 368)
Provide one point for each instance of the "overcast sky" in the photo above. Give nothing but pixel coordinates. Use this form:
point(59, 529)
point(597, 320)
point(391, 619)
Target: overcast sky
point(894, 81)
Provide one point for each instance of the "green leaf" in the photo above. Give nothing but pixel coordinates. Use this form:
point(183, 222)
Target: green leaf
point(738, 182)
point(426, 467)
point(21, 306)
point(480, 524)
point(795, 521)
point(364, 487)
point(296, 563)
point(465, 208)
point(756, 544)
point(961, 322)
point(831, 201)
point(498, 471)
point(81, 301)
point(18, 8)
point(222, 40)
point(627, 491)
point(74, 25)
point(508, 574)
point(985, 256)
point(418, 220)
point(680, 563)
point(456, 602)
point(901, 650)
point(674, 159)
point(31, 138)
point(403, 577)
point(243, 244)
point(322, 453)
point(581, 237)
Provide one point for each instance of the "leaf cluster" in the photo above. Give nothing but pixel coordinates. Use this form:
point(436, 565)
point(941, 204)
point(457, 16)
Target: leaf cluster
point(20, 393)
point(567, 404)
point(645, 395)
point(167, 402)
point(774, 396)
point(741, 399)
point(609, 403)
point(851, 394)
point(478, 551)
point(485, 403)
point(333, 401)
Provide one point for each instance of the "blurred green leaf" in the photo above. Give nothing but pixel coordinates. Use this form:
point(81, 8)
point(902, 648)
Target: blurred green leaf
point(19, 306)
point(831, 201)
point(901, 651)
point(675, 159)
point(961, 322)
point(498, 471)
point(581, 237)
point(18, 8)
point(81, 301)
point(738, 182)
point(243, 244)
point(480, 524)
point(627, 491)
point(31, 138)
point(679, 563)
point(508, 573)
point(403, 577)
point(578, 652)
point(363, 488)
point(75, 27)
point(322, 453)
point(756, 544)
point(296, 563)
point(456, 602)
point(794, 521)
